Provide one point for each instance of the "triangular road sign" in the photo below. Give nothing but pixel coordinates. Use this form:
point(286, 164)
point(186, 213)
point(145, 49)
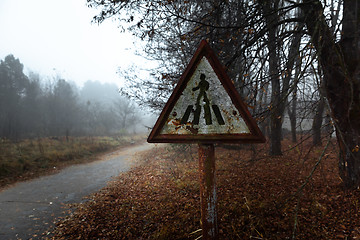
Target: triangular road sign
point(205, 107)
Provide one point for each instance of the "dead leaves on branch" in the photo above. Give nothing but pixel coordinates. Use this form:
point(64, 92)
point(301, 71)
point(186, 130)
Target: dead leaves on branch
point(159, 199)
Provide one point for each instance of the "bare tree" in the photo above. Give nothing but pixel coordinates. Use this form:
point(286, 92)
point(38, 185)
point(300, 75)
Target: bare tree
point(126, 113)
point(263, 24)
point(340, 64)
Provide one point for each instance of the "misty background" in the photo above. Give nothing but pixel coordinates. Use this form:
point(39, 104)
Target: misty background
point(59, 38)
point(60, 73)
point(39, 106)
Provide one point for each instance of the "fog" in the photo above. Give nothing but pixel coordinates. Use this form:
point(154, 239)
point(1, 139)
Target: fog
point(58, 37)
point(40, 106)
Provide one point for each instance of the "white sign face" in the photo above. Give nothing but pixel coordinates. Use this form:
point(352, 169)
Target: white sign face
point(204, 107)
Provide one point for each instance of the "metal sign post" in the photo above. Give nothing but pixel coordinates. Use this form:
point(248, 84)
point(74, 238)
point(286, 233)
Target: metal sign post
point(205, 108)
point(208, 199)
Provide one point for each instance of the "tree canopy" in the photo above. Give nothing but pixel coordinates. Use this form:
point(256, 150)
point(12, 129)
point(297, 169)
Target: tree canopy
point(282, 55)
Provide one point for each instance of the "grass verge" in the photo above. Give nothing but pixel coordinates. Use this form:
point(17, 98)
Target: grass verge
point(34, 157)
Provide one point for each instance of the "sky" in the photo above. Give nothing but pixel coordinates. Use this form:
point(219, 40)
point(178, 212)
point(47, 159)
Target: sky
point(57, 38)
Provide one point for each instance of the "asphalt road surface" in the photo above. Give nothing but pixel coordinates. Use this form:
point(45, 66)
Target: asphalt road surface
point(29, 208)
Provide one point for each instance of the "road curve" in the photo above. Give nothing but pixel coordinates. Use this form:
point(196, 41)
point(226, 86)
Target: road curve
point(29, 208)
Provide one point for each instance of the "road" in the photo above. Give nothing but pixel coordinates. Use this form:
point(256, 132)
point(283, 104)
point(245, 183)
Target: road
point(29, 208)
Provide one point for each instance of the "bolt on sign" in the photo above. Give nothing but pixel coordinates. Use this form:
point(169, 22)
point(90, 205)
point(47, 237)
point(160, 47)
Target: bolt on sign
point(205, 108)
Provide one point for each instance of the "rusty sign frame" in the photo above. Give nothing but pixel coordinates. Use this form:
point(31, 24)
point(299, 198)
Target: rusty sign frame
point(255, 135)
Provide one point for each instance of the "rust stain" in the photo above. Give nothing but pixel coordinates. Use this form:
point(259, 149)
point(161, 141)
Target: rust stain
point(175, 122)
point(226, 118)
point(192, 129)
point(208, 199)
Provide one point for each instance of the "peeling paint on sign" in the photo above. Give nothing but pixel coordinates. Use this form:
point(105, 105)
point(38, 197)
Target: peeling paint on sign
point(204, 107)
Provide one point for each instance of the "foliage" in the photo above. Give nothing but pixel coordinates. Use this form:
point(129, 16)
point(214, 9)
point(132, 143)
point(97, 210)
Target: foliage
point(258, 198)
point(13, 83)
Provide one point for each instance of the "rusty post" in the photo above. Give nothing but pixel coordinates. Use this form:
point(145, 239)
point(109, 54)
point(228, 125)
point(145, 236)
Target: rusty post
point(208, 198)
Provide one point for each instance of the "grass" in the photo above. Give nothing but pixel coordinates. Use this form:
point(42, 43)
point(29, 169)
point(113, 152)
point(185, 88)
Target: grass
point(33, 157)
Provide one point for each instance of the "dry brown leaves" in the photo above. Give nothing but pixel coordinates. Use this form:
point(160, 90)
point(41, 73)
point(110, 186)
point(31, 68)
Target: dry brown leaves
point(159, 199)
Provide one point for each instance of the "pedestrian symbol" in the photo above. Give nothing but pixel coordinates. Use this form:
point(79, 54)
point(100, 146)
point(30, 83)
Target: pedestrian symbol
point(205, 90)
point(202, 87)
point(205, 105)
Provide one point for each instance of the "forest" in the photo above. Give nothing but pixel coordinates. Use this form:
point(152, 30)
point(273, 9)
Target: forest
point(295, 63)
point(36, 107)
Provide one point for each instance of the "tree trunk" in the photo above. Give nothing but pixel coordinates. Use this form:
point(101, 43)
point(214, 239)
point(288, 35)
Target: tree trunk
point(292, 109)
point(276, 114)
point(317, 123)
point(329, 126)
point(292, 117)
point(278, 93)
point(340, 64)
point(264, 123)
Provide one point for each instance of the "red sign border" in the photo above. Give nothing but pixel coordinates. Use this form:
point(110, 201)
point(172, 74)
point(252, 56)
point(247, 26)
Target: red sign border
point(255, 135)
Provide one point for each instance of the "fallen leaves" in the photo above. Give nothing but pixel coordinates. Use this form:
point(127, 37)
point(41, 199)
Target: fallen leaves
point(159, 199)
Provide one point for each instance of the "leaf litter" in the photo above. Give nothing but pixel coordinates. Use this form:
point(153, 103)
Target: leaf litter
point(258, 197)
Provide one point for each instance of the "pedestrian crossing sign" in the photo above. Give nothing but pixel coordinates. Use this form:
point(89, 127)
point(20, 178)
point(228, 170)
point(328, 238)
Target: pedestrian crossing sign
point(205, 107)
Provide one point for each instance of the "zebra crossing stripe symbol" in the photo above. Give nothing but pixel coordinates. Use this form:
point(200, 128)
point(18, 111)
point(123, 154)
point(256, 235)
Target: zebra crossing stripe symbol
point(205, 107)
point(207, 115)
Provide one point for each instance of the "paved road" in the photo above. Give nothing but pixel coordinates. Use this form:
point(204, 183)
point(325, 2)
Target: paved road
point(28, 209)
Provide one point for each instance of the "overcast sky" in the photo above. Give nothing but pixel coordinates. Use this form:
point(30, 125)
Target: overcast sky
point(57, 37)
